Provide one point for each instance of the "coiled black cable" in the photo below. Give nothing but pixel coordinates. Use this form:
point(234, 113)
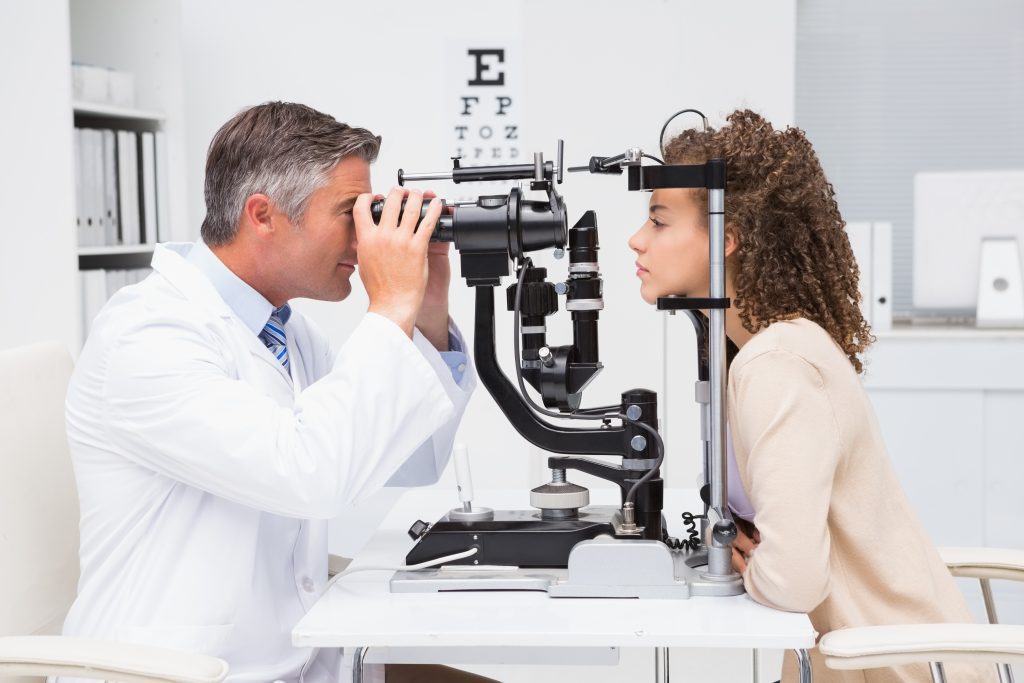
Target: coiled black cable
point(691, 543)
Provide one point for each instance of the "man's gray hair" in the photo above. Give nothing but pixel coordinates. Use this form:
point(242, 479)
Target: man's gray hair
point(281, 149)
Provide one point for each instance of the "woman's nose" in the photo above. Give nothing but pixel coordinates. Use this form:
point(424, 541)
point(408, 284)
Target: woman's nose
point(636, 242)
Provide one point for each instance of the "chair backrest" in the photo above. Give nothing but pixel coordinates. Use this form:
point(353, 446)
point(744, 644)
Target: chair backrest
point(38, 497)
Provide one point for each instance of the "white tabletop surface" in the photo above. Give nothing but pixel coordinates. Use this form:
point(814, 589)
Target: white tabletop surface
point(359, 610)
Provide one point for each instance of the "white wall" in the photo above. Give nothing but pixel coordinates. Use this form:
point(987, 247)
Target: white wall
point(38, 257)
point(601, 75)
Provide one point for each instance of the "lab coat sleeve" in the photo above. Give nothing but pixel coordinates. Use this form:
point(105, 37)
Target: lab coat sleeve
point(785, 420)
point(173, 405)
point(427, 463)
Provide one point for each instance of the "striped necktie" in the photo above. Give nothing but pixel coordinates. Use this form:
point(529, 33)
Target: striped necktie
point(273, 334)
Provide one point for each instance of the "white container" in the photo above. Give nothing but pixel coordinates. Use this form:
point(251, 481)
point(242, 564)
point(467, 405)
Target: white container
point(122, 88)
point(90, 83)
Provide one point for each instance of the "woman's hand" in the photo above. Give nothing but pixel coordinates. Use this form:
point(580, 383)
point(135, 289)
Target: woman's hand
point(747, 540)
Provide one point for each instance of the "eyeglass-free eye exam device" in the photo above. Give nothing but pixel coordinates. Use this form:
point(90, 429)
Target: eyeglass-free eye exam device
point(565, 546)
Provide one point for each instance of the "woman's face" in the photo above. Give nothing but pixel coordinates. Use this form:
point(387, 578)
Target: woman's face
point(672, 247)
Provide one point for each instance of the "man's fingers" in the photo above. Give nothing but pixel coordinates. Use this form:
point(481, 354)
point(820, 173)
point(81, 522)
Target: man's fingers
point(392, 207)
point(362, 215)
point(429, 221)
point(411, 212)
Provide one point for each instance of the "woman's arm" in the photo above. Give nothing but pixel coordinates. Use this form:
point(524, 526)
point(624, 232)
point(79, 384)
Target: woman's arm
point(785, 424)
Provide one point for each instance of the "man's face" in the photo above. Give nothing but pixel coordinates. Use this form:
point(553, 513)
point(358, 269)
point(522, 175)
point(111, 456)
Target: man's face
point(318, 255)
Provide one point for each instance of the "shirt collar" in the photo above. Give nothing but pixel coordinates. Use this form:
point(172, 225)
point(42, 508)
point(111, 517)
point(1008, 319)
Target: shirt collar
point(249, 305)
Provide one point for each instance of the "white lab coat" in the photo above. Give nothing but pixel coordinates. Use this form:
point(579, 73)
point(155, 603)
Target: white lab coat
point(206, 474)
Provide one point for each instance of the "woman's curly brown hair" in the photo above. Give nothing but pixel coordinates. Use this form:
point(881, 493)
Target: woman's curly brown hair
point(794, 257)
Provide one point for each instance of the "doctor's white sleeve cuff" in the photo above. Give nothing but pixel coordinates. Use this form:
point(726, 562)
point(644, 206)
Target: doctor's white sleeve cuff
point(454, 367)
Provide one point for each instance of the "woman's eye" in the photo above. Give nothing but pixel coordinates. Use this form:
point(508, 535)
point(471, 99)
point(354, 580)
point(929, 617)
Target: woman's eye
point(657, 223)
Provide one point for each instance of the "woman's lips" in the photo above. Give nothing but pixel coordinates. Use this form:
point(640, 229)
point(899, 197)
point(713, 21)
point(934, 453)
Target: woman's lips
point(640, 270)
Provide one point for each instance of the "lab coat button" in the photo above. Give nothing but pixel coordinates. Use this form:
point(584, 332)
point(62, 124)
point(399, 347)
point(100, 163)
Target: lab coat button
point(308, 585)
point(462, 367)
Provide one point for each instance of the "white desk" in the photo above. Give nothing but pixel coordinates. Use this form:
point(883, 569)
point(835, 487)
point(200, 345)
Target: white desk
point(359, 612)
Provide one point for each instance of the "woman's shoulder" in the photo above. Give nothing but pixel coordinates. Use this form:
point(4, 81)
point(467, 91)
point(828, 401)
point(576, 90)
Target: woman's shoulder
point(798, 338)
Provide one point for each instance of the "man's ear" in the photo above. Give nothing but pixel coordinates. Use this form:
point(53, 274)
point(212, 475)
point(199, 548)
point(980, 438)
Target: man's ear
point(732, 240)
point(258, 213)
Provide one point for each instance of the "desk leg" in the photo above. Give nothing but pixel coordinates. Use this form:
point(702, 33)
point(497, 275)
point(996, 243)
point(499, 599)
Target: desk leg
point(804, 660)
point(357, 664)
point(661, 665)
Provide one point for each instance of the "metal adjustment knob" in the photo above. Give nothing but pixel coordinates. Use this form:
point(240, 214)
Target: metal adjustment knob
point(559, 499)
point(724, 531)
point(545, 356)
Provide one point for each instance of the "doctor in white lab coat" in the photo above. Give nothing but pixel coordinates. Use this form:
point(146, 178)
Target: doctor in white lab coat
point(214, 431)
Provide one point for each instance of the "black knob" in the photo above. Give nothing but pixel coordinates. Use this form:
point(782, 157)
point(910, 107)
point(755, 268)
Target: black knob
point(417, 530)
point(705, 494)
point(725, 531)
point(538, 297)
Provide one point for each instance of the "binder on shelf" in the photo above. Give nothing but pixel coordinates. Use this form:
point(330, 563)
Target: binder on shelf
point(128, 186)
point(881, 277)
point(94, 296)
point(148, 166)
point(110, 208)
point(79, 190)
point(92, 179)
point(859, 234)
point(163, 205)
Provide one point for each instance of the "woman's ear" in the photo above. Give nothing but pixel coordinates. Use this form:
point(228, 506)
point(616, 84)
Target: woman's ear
point(732, 240)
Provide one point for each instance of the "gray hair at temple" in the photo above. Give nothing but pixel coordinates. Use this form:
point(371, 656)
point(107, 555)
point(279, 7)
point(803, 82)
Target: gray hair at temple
point(281, 149)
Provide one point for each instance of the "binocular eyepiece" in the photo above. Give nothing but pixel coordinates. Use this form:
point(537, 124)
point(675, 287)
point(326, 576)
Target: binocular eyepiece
point(445, 230)
point(495, 223)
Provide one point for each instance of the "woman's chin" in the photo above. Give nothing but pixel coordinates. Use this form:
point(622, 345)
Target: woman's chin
point(648, 296)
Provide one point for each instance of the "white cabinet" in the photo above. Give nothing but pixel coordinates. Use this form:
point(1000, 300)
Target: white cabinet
point(951, 406)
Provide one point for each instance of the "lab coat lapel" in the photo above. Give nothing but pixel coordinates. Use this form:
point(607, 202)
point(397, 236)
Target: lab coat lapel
point(169, 261)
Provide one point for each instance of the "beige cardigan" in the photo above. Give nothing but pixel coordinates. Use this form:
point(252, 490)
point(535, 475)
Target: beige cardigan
point(838, 538)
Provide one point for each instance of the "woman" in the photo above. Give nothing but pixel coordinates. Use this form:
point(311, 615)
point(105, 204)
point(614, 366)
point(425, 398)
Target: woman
point(829, 531)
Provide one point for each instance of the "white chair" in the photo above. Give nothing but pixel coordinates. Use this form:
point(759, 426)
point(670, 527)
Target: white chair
point(879, 646)
point(39, 541)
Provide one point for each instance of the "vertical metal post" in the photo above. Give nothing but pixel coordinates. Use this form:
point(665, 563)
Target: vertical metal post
point(719, 557)
point(661, 674)
point(755, 676)
point(357, 664)
point(804, 661)
point(990, 605)
point(938, 672)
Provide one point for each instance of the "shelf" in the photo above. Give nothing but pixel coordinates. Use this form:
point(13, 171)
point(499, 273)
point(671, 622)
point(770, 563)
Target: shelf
point(115, 258)
point(117, 249)
point(115, 112)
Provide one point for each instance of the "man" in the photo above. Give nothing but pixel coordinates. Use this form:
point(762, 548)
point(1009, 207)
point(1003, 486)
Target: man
point(212, 429)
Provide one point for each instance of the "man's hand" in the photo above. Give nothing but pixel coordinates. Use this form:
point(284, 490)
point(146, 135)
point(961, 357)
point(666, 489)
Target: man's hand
point(747, 540)
point(393, 255)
